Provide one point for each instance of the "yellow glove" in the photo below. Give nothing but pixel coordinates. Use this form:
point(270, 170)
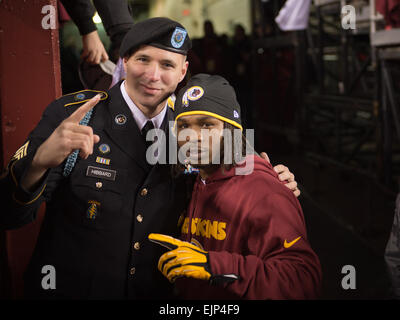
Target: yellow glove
point(184, 260)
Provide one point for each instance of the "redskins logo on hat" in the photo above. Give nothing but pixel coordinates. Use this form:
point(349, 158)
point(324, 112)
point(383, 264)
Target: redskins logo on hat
point(192, 94)
point(178, 37)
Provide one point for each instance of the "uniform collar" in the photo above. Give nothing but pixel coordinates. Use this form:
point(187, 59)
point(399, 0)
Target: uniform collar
point(138, 115)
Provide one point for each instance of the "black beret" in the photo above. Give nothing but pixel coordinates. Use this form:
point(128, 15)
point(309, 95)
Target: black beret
point(210, 95)
point(159, 32)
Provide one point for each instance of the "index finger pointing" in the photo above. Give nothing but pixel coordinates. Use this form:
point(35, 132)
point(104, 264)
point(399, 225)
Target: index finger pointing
point(79, 113)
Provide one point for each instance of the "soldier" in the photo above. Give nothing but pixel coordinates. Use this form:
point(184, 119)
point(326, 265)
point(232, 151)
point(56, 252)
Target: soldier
point(102, 203)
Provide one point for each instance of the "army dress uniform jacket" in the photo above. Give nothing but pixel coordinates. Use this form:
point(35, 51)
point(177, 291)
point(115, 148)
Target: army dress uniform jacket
point(98, 218)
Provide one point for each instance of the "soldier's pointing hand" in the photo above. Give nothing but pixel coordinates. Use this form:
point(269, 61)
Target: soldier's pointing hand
point(67, 137)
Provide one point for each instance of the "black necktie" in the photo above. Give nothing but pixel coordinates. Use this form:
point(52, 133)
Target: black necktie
point(147, 127)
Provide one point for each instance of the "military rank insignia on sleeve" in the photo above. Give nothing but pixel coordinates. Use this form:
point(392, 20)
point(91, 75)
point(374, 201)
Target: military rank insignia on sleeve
point(21, 152)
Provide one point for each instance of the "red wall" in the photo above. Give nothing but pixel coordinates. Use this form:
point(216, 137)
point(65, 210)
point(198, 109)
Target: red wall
point(29, 81)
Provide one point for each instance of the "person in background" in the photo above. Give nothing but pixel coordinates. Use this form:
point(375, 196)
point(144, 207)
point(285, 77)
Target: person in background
point(117, 21)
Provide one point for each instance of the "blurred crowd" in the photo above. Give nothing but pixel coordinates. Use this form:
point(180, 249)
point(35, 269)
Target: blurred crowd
point(249, 69)
point(229, 57)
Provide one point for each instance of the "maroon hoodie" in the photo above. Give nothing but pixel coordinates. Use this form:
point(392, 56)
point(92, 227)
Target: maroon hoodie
point(252, 226)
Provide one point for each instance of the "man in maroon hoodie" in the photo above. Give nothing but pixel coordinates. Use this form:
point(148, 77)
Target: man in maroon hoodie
point(244, 231)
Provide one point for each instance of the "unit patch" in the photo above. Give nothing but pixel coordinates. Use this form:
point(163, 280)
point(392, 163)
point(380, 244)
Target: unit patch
point(178, 37)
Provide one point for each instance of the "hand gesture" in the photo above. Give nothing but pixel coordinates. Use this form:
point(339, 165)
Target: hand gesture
point(67, 137)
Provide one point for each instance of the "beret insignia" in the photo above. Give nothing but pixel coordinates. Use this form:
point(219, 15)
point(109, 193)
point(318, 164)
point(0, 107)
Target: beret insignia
point(178, 37)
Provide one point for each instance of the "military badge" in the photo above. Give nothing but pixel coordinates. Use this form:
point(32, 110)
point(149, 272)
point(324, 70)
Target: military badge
point(104, 148)
point(178, 37)
point(103, 161)
point(93, 209)
point(120, 119)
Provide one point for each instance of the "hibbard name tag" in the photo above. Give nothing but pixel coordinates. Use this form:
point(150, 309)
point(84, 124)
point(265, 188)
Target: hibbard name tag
point(101, 173)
